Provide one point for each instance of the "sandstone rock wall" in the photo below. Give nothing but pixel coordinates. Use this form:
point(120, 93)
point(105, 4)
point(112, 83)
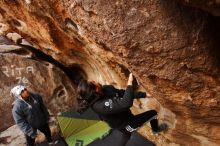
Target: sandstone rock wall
point(38, 76)
point(170, 48)
point(212, 6)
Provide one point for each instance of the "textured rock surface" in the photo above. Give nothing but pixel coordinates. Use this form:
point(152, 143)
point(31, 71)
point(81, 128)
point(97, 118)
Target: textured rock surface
point(12, 136)
point(171, 49)
point(39, 76)
point(212, 6)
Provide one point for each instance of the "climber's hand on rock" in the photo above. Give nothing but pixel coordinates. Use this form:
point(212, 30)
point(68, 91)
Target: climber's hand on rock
point(130, 79)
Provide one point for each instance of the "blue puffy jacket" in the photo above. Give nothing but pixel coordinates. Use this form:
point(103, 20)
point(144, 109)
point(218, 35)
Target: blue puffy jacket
point(31, 114)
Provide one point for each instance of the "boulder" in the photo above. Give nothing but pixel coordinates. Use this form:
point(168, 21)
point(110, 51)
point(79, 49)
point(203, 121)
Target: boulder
point(39, 77)
point(172, 49)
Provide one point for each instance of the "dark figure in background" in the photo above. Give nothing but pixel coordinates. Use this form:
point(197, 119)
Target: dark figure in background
point(30, 114)
point(113, 106)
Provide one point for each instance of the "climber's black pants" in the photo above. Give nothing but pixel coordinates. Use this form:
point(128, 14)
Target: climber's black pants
point(137, 121)
point(140, 119)
point(45, 130)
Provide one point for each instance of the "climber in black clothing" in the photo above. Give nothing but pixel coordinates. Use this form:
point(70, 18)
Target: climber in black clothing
point(113, 106)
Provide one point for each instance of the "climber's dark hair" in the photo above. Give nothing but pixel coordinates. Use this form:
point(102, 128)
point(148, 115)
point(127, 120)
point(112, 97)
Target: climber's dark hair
point(87, 94)
point(86, 90)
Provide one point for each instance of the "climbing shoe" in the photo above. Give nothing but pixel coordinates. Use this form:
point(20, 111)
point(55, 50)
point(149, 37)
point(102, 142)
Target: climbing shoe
point(161, 127)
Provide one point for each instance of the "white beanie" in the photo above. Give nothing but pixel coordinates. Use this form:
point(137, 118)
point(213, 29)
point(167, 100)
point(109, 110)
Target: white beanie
point(16, 91)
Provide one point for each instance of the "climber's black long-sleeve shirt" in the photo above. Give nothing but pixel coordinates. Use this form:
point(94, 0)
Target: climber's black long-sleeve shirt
point(114, 106)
